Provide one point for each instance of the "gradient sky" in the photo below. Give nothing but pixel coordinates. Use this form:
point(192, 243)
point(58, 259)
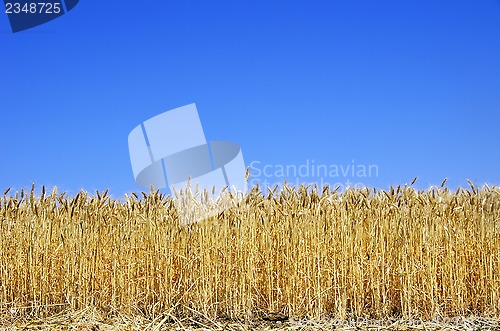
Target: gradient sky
point(410, 86)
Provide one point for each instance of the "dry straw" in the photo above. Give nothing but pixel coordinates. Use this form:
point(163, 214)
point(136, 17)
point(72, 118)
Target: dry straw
point(291, 253)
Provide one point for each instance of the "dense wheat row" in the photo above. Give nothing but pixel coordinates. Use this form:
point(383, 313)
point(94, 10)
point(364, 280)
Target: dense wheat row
point(297, 251)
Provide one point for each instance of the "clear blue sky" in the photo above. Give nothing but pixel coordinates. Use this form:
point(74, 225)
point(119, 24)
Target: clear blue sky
point(410, 86)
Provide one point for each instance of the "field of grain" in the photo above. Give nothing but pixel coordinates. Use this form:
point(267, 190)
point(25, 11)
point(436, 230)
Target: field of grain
point(277, 255)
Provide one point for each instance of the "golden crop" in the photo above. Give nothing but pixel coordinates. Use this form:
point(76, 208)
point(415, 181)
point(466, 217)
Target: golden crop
point(295, 251)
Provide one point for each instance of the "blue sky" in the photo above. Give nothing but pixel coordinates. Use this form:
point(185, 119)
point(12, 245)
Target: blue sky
point(409, 86)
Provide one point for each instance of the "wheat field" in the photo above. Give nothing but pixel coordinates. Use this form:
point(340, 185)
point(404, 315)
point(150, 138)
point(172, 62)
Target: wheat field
point(294, 252)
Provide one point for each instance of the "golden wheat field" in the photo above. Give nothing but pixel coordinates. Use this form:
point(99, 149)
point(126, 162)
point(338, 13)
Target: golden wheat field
point(279, 255)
